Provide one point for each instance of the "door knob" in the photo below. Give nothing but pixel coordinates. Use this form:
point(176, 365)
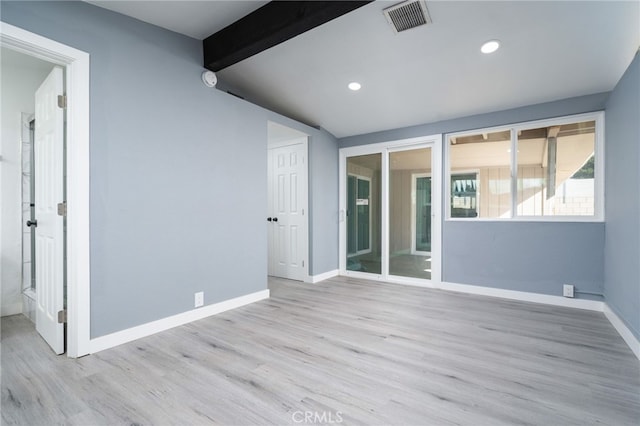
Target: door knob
point(34, 223)
point(268, 219)
point(275, 219)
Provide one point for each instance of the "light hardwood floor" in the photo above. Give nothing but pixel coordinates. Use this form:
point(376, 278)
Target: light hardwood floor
point(343, 349)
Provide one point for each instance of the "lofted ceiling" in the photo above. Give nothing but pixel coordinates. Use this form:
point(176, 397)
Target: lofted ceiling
point(550, 50)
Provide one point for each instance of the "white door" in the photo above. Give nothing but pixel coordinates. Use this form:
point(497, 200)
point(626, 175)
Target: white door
point(287, 213)
point(49, 191)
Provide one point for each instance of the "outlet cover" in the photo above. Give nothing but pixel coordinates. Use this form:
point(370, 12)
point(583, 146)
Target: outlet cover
point(567, 290)
point(199, 299)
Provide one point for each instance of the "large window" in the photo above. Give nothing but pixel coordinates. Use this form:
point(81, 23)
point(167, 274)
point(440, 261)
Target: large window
point(543, 170)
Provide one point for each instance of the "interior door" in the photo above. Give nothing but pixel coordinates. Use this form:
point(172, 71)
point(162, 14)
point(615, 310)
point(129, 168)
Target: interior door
point(287, 217)
point(49, 191)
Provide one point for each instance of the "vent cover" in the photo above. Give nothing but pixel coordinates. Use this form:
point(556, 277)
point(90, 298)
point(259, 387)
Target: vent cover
point(408, 14)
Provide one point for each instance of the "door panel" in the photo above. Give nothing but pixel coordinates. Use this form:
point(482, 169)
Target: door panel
point(49, 191)
point(288, 195)
point(363, 231)
point(409, 211)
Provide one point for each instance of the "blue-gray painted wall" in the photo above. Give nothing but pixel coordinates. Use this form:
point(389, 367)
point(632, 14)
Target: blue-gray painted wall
point(537, 257)
point(178, 171)
point(622, 201)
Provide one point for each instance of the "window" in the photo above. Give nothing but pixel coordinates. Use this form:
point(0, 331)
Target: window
point(464, 195)
point(544, 170)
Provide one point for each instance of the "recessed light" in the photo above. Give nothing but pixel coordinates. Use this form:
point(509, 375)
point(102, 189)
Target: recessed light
point(354, 85)
point(490, 46)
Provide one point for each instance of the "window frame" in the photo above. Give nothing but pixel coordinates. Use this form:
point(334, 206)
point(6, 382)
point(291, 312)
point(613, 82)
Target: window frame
point(514, 128)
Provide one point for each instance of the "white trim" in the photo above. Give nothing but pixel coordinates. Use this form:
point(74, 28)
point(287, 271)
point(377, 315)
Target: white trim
point(324, 276)
point(76, 65)
point(629, 338)
point(547, 299)
point(144, 330)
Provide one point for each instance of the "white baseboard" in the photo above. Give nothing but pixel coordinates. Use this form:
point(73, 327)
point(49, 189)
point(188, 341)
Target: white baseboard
point(11, 309)
point(144, 330)
point(324, 276)
point(592, 305)
point(623, 330)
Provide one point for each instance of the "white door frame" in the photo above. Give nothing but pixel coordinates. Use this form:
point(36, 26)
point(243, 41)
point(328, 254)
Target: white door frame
point(384, 148)
point(76, 65)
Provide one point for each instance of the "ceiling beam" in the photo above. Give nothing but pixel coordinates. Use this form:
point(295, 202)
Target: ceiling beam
point(268, 26)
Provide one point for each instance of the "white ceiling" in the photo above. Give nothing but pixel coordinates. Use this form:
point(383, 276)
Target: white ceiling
point(550, 50)
point(197, 19)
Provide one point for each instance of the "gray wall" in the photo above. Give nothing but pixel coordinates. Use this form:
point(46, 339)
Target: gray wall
point(178, 171)
point(622, 202)
point(525, 256)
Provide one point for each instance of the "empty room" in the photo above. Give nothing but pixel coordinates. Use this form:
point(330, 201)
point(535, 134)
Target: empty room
point(320, 212)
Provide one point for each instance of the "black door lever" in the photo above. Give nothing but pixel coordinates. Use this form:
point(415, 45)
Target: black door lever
point(268, 219)
point(34, 223)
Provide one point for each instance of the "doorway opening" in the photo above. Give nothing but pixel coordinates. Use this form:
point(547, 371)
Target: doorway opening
point(287, 206)
point(73, 67)
point(33, 141)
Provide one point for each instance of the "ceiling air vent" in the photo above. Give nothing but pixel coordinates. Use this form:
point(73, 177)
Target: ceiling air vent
point(408, 14)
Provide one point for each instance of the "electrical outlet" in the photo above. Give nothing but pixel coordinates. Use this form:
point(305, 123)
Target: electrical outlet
point(567, 290)
point(199, 299)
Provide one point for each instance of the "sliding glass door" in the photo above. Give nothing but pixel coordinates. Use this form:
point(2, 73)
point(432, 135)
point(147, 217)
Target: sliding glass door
point(363, 213)
point(389, 203)
point(410, 213)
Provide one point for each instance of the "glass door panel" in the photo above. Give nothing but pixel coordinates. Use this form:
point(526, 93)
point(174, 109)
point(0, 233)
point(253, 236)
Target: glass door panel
point(410, 213)
point(422, 218)
point(364, 203)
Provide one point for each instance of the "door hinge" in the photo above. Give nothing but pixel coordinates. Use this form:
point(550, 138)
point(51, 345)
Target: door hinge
point(62, 316)
point(62, 209)
point(62, 101)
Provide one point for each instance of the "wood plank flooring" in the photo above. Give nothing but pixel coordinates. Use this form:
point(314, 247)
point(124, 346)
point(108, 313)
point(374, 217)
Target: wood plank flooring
point(343, 351)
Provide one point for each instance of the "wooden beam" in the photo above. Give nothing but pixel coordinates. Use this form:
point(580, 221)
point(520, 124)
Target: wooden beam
point(552, 132)
point(268, 26)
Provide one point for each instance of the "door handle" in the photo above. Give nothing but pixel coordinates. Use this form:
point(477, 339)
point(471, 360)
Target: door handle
point(34, 223)
point(275, 219)
point(268, 219)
